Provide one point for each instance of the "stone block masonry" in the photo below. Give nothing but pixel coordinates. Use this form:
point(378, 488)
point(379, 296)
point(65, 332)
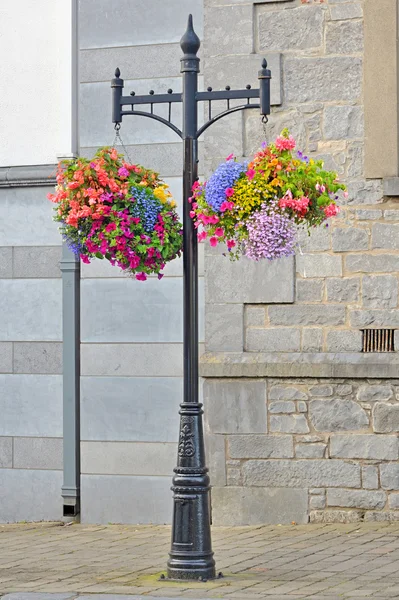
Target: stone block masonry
point(333, 442)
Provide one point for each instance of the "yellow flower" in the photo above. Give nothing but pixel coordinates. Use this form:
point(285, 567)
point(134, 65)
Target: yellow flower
point(161, 194)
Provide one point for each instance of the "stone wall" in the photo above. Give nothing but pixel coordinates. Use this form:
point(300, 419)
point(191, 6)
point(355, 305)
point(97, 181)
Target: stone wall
point(298, 449)
point(283, 445)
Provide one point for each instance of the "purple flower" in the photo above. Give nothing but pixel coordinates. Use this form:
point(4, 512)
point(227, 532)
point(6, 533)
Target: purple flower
point(223, 178)
point(301, 156)
point(270, 234)
point(123, 172)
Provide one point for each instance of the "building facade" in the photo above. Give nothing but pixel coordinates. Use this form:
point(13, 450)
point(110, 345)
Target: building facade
point(302, 423)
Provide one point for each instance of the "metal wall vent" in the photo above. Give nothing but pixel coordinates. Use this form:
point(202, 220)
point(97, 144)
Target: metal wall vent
point(378, 340)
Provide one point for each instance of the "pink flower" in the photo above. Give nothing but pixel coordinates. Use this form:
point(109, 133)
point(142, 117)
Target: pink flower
point(219, 232)
point(230, 157)
point(195, 185)
point(230, 244)
point(320, 188)
point(299, 205)
point(283, 143)
point(226, 206)
point(202, 236)
point(229, 192)
point(192, 214)
point(85, 259)
point(160, 275)
point(331, 210)
point(213, 241)
point(346, 194)
point(123, 172)
point(110, 227)
point(141, 276)
point(250, 173)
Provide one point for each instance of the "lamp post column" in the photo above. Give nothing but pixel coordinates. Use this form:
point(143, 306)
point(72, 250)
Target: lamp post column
point(191, 555)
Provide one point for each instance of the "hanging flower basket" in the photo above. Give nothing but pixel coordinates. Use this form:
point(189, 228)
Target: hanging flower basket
point(255, 208)
point(114, 210)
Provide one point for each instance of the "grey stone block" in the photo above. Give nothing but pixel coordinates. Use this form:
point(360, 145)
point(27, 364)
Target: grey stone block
point(356, 499)
point(386, 418)
point(36, 262)
point(342, 12)
point(312, 339)
point(279, 392)
point(376, 318)
point(343, 290)
point(235, 406)
point(235, 506)
point(40, 596)
point(344, 389)
point(140, 500)
point(316, 241)
point(342, 122)
point(391, 215)
point(310, 451)
point(367, 263)
point(247, 281)
point(276, 339)
point(229, 30)
point(369, 214)
point(128, 458)
point(380, 291)
point(317, 491)
point(254, 316)
point(42, 486)
point(393, 501)
point(374, 393)
point(364, 191)
point(31, 405)
point(38, 453)
point(344, 38)
point(337, 415)
point(305, 27)
point(389, 476)
point(309, 290)
point(130, 409)
point(349, 238)
point(261, 446)
point(370, 477)
point(220, 69)
point(120, 311)
point(300, 73)
point(132, 360)
point(38, 357)
point(319, 265)
point(344, 341)
point(307, 314)
point(37, 228)
point(385, 236)
point(282, 407)
point(224, 327)
point(5, 263)
point(6, 350)
point(321, 390)
point(5, 452)
point(336, 516)
point(162, 158)
point(305, 473)
point(215, 451)
point(289, 424)
point(302, 407)
point(100, 27)
point(317, 502)
point(366, 446)
point(135, 62)
point(33, 309)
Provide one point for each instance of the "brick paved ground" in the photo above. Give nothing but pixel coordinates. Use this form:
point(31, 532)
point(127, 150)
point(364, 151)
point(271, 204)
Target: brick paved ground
point(328, 562)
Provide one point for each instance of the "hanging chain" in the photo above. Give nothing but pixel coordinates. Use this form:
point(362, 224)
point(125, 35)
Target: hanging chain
point(119, 142)
point(265, 121)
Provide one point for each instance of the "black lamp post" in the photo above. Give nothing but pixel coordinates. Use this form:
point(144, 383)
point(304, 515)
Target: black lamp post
point(191, 555)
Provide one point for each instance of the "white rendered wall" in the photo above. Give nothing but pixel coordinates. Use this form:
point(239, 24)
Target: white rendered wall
point(38, 78)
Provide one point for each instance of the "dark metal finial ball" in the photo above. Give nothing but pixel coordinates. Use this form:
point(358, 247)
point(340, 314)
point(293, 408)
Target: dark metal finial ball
point(190, 41)
point(248, 86)
point(264, 64)
point(117, 72)
point(132, 93)
point(209, 89)
point(227, 88)
point(152, 92)
point(170, 91)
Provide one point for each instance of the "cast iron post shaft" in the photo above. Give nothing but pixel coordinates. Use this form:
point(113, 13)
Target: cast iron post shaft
point(191, 555)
